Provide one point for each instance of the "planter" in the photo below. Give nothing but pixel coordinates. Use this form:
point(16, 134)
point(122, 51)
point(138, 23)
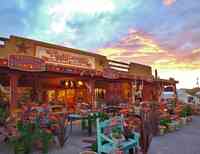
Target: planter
point(21, 149)
point(189, 119)
point(171, 127)
point(178, 124)
point(162, 130)
point(183, 120)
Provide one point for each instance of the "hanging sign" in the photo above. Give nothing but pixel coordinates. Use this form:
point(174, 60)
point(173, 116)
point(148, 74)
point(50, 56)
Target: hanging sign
point(61, 57)
point(26, 63)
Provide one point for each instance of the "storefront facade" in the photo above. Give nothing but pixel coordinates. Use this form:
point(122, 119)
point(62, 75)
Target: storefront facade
point(68, 76)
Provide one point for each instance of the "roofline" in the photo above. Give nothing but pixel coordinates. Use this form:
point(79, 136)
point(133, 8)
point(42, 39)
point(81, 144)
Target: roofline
point(59, 46)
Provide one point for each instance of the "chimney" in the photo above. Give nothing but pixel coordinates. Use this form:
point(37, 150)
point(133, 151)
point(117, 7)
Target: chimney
point(156, 74)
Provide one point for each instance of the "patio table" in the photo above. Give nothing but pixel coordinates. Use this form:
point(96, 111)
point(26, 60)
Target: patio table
point(75, 117)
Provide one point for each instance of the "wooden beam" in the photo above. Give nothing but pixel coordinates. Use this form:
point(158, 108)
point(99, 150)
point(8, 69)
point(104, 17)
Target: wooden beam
point(122, 63)
point(13, 91)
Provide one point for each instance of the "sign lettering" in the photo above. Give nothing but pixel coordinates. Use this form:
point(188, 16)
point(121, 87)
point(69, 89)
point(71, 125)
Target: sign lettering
point(55, 56)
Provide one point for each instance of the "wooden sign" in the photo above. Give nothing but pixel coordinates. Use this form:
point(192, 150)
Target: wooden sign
point(26, 63)
point(61, 57)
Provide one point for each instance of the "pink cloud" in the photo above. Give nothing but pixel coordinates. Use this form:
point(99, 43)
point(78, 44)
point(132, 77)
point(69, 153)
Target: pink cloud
point(168, 2)
point(142, 48)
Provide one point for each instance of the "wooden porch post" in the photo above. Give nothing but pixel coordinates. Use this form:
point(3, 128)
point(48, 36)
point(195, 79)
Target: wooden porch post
point(130, 94)
point(13, 91)
point(92, 93)
point(36, 88)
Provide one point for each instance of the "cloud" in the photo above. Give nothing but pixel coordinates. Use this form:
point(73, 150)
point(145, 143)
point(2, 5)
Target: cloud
point(196, 51)
point(135, 44)
point(142, 48)
point(168, 2)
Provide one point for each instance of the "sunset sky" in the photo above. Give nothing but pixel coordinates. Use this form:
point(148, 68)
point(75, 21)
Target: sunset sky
point(162, 33)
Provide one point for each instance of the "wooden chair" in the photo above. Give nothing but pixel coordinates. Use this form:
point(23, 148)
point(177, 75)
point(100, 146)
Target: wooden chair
point(105, 142)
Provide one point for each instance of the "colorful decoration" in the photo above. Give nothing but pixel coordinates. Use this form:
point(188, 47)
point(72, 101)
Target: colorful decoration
point(26, 63)
point(3, 63)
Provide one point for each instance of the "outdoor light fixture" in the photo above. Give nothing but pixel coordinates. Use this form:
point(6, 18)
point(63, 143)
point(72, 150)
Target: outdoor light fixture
point(66, 83)
point(80, 83)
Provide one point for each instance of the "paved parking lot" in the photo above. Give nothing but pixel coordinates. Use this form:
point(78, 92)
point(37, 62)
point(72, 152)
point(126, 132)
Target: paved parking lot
point(184, 141)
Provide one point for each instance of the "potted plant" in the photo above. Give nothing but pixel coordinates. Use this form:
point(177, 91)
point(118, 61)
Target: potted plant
point(171, 126)
point(183, 118)
point(29, 133)
point(117, 135)
point(162, 129)
point(189, 113)
point(178, 124)
point(22, 139)
point(166, 122)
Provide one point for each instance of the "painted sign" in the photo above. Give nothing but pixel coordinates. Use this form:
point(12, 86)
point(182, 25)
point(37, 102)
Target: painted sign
point(55, 56)
point(26, 63)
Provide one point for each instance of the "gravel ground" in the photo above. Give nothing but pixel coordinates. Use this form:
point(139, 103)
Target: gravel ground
point(184, 141)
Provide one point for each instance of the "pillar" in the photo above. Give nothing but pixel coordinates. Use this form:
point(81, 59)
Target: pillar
point(13, 91)
point(92, 93)
point(36, 89)
point(130, 94)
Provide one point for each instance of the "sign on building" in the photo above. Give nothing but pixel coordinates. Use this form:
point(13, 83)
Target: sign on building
point(26, 63)
point(60, 57)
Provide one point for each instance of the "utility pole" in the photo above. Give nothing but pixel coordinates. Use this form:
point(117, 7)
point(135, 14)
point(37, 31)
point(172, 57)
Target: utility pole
point(197, 83)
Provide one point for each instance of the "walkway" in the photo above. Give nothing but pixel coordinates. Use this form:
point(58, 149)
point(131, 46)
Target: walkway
point(184, 141)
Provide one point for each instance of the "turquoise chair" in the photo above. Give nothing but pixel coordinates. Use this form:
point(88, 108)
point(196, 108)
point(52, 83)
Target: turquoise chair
point(105, 143)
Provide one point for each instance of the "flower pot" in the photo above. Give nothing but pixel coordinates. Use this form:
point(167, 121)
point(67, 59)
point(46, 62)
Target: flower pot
point(189, 119)
point(178, 124)
point(21, 149)
point(183, 121)
point(171, 127)
point(162, 130)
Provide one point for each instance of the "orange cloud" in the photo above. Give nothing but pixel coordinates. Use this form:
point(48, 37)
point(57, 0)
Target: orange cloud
point(142, 48)
point(169, 2)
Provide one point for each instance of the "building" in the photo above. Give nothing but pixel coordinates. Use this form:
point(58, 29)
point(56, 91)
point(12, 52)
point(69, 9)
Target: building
point(69, 76)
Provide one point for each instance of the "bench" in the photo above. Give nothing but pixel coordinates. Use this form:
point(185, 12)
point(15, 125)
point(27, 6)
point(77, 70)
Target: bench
point(107, 144)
